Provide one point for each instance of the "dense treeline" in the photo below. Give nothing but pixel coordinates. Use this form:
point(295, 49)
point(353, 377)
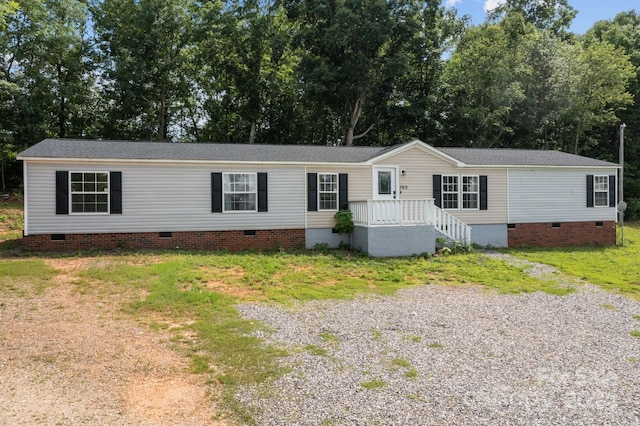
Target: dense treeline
point(361, 72)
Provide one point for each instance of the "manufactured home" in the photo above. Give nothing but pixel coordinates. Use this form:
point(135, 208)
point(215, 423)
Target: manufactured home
point(80, 194)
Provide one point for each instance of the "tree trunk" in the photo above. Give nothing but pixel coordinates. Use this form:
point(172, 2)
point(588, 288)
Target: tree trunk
point(356, 111)
point(252, 132)
point(575, 148)
point(162, 125)
point(62, 128)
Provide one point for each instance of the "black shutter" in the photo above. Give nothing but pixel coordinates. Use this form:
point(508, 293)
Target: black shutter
point(589, 190)
point(343, 191)
point(483, 193)
point(612, 191)
point(62, 192)
point(262, 192)
point(312, 192)
point(437, 190)
point(216, 192)
point(115, 182)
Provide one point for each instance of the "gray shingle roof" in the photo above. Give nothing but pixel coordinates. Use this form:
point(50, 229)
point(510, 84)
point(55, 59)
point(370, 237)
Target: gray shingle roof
point(128, 150)
point(521, 157)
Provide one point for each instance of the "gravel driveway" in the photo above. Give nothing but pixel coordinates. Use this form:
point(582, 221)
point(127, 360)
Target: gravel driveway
point(435, 355)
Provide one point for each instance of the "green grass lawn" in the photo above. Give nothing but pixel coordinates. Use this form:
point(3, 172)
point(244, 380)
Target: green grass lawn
point(615, 269)
point(196, 293)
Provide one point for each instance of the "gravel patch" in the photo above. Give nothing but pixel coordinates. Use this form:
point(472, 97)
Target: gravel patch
point(436, 355)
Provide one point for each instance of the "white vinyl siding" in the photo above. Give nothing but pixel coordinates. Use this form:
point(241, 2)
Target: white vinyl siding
point(601, 191)
point(553, 195)
point(166, 197)
point(420, 165)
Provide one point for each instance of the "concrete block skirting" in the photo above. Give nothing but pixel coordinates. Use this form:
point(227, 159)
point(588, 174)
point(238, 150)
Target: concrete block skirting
point(394, 241)
point(562, 234)
point(494, 235)
point(191, 240)
point(324, 236)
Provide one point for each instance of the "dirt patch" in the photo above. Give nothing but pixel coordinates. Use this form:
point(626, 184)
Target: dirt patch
point(228, 281)
point(73, 358)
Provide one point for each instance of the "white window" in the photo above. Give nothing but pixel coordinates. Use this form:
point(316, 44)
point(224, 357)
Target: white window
point(89, 192)
point(240, 192)
point(327, 191)
point(601, 191)
point(470, 192)
point(449, 192)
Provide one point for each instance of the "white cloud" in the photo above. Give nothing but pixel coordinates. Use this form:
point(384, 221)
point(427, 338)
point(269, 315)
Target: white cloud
point(451, 3)
point(492, 4)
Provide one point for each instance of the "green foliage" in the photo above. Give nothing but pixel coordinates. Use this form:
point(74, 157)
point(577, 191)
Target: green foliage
point(633, 210)
point(344, 221)
point(552, 15)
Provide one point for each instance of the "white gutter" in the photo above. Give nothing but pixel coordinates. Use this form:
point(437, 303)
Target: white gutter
point(299, 163)
point(202, 162)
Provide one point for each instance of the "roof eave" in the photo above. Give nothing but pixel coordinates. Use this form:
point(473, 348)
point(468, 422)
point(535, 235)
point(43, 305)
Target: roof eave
point(173, 161)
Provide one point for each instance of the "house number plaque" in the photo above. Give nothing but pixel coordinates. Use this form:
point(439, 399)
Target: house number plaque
point(404, 187)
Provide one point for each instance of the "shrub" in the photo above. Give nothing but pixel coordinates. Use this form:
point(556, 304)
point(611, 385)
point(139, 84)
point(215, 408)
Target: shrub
point(344, 221)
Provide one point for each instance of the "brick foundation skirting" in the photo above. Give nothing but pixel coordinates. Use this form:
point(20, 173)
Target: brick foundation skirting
point(565, 234)
point(192, 240)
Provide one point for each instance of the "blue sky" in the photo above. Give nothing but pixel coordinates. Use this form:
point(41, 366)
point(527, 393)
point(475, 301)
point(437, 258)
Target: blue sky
point(589, 11)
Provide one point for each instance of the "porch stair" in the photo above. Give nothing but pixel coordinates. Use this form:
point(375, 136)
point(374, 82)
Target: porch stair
point(371, 213)
point(451, 227)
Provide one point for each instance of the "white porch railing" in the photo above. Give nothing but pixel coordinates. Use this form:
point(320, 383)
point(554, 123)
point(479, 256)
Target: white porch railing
point(409, 212)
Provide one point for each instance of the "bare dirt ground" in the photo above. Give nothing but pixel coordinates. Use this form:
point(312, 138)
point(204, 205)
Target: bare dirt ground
point(68, 358)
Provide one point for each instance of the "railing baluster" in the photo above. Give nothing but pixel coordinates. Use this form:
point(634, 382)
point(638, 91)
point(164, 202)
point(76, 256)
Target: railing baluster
point(410, 212)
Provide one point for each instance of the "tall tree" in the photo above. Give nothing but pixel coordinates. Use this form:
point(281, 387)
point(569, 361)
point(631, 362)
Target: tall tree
point(482, 87)
point(46, 72)
point(353, 48)
point(251, 77)
point(147, 52)
point(591, 83)
point(413, 109)
point(623, 31)
point(553, 15)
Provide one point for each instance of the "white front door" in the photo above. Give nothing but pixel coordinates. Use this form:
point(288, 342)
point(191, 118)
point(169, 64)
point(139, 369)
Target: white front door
point(385, 182)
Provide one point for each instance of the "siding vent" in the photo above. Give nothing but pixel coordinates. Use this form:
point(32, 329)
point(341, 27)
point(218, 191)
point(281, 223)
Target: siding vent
point(58, 237)
point(250, 232)
point(599, 224)
point(511, 226)
point(555, 225)
point(165, 234)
